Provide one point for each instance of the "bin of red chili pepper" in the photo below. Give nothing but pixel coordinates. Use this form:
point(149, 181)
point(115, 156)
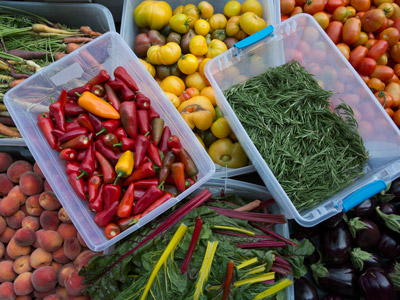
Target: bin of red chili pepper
point(108, 157)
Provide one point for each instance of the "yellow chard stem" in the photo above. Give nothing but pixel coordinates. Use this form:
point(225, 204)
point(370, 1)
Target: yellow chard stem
point(241, 230)
point(205, 268)
point(256, 270)
point(259, 278)
point(247, 263)
point(171, 247)
point(274, 289)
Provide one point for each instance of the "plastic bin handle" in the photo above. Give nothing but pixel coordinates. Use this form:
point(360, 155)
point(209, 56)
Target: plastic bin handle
point(254, 38)
point(363, 194)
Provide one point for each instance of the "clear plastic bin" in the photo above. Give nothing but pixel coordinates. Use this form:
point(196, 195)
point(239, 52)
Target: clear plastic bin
point(129, 30)
point(252, 192)
point(302, 39)
point(31, 97)
point(74, 15)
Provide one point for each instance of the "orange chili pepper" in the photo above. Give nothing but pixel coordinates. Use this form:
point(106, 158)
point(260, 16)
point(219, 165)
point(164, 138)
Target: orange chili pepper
point(97, 106)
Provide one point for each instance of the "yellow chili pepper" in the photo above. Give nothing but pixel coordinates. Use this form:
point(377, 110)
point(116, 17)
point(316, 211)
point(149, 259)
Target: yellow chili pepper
point(97, 106)
point(124, 166)
point(198, 112)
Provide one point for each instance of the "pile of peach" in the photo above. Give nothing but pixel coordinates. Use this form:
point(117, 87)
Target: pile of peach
point(41, 252)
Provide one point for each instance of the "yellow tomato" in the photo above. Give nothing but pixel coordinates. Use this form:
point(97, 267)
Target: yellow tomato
point(387, 9)
point(251, 23)
point(396, 11)
point(174, 99)
point(200, 140)
point(220, 128)
point(217, 21)
point(188, 64)
point(201, 27)
point(233, 28)
point(216, 47)
point(179, 23)
point(252, 6)
point(178, 10)
point(192, 12)
point(232, 8)
point(209, 93)
point(149, 67)
point(195, 80)
point(351, 10)
point(206, 9)
point(362, 39)
point(322, 19)
point(153, 14)
point(202, 65)
point(198, 45)
point(173, 84)
point(226, 153)
point(164, 55)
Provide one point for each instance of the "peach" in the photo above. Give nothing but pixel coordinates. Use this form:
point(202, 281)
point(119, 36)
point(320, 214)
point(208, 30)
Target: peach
point(23, 209)
point(52, 297)
point(60, 257)
point(80, 239)
point(40, 258)
point(47, 186)
point(83, 259)
point(2, 250)
point(50, 240)
point(44, 279)
point(80, 297)
point(64, 273)
point(48, 201)
point(62, 292)
point(25, 237)
point(7, 291)
point(32, 206)
point(74, 284)
point(23, 284)
point(67, 230)
point(6, 271)
point(63, 216)
point(40, 295)
point(17, 169)
point(38, 233)
point(16, 193)
point(15, 251)
point(37, 170)
point(57, 266)
point(9, 206)
point(49, 220)
point(3, 224)
point(5, 161)
point(5, 184)
point(72, 248)
point(31, 183)
point(15, 221)
point(7, 234)
point(31, 223)
point(27, 297)
point(22, 264)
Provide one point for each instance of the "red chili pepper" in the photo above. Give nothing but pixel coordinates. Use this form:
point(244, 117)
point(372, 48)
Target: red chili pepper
point(112, 97)
point(96, 205)
point(81, 155)
point(80, 90)
point(170, 179)
point(71, 109)
point(88, 164)
point(139, 193)
point(72, 125)
point(102, 77)
point(94, 183)
point(103, 218)
point(111, 194)
point(129, 119)
point(167, 162)
point(78, 185)
point(120, 133)
point(143, 121)
point(72, 167)
point(69, 135)
point(125, 144)
point(108, 171)
point(108, 126)
point(57, 110)
point(107, 152)
point(174, 142)
point(157, 128)
point(58, 133)
point(141, 145)
point(171, 189)
point(68, 154)
point(176, 152)
point(164, 198)
point(152, 194)
point(142, 101)
point(189, 182)
point(126, 205)
point(78, 143)
point(164, 140)
point(46, 125)
point(152, 113)
point(96, 122)
point(146, 183)
point(144, 171)
point(110, 140)
point(126, 93)
point(98, 90)
point(116, 84)
point(84, 121)
point(125, 223)
point(178, 174)
point(123, 75)
point(190, 167)
point(154, 155)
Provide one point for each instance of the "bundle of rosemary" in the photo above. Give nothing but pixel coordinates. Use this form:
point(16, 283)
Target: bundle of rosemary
point(312, 151)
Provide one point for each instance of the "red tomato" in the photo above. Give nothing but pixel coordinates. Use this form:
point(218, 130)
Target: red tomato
point(375, 84)
point(293, 54)
point(300, 2)
point(351, 30)
point(331, 5)
point(378, 49)
point(361, 5)
point(389, 111)
point(334, 31)
point(341, 14)
point(313, 6)
point(287, 6)
point(383, 73)
point(395, 52)
point(394, 79)
point(370, 43)
point(396, 117)
point(384, 98)
point(345, 49)
point(396, 69)
point(365, 78)
point(357, 55)
point(391, 35)
point(297, 10)
point(383, 60)
point(284, 17)
point(373, 20)
point(366, 66)
point(396, 23)
point(383, 27)
point(112, 230)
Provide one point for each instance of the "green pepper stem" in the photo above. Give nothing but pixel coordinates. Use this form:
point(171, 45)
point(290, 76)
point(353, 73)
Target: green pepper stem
point(76, 93)
point(83, 173)
point(103, 129)
point(161, 185)
point(118, 145)
point(118, 177)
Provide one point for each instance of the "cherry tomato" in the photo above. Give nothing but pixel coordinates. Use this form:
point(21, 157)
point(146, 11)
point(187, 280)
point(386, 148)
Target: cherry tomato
point(287, 6)
point(389, 111)
point(112, 230)
point(352, 11)
point(391, 35)
point(396, 23)
point(341, 14)
point(383, 73)
point(334, 31)
point(384, 98)
point(351, 30)
point(366, 66)
point(362, 39)
point(357, 55)
point(373, 20)
point(300, 2)
point(345, 49)
point(284, 17)
point(396, 118)
point(387, 9)
point(313, 6)
point(304, 47)
point(331, 5)
point(385, 25)
point(360, 5)
point(365, 78)
point(393, 89)
point(378, 49)
point(394, 79)
point(370, 43)
point(383, 60)
point(396, 69)
point(375, 84)
point(322, 18)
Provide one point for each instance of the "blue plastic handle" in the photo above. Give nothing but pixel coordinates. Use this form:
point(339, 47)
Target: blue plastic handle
point(363, 194)
point(254, 38)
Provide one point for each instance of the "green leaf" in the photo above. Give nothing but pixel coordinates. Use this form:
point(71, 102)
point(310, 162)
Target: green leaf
point(358, 257)
point(354, 225)
point(296, 255)
point(319, 271)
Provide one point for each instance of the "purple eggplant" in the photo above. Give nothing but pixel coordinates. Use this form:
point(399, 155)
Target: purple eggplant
point(336, 244)
point(365, 209)
point(365, 232)
point(304, 290)
point(332, 297)
point(393, 270)
point(395, 188)
point(375, 284)
point(363, 260)
point(333, 221)
point(387, 208)
point(391, 220)
point(338, 279)
point(388, 245)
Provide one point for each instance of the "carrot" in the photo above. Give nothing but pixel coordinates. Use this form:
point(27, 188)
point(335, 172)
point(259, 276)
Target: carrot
point(250, 206)
point(7, 131)
point(5, 77)
point(44, 28)
point(25, 54)
point(85, 29)
point(3, 107)
point(71, 47)
point(77, 40)
point(4, 66)
point(13, 83)
point(59, 55)
point(94, 33)
point(7, 121)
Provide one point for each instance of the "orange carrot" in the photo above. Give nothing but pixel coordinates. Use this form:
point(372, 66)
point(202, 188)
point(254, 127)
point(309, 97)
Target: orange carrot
point(71, 47)
point(13, 83)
